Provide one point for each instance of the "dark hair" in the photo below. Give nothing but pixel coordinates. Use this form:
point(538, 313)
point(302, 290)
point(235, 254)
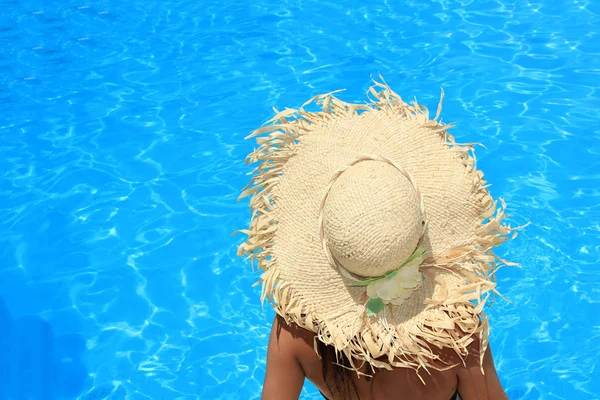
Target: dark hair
point(339, 381)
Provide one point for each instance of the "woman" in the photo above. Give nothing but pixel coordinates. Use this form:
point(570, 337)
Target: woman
point(374, 231)
point(291, 359)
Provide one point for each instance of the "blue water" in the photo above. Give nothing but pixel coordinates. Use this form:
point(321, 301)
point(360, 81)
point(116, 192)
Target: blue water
point(121, 149)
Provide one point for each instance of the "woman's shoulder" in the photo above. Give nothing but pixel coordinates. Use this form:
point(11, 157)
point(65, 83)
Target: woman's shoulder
point(297, 340)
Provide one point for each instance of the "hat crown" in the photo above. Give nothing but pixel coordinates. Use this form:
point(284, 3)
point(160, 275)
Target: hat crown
point(372, 218)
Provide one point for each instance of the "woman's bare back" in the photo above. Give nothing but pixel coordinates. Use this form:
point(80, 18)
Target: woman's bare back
point(291, 359)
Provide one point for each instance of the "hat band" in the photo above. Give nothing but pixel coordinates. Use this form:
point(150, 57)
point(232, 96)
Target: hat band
point(361, 158)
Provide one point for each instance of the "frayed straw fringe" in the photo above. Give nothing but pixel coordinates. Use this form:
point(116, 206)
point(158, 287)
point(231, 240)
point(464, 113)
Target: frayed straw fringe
point(474, 262)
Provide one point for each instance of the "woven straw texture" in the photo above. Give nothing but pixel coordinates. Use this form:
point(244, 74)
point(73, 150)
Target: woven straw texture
point(300, 154)
point(372, 217)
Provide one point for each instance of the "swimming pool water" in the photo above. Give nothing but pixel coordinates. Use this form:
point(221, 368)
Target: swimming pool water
point(121, 149)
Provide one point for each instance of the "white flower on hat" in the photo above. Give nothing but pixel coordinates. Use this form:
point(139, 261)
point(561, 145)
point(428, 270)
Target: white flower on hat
point(394, 287)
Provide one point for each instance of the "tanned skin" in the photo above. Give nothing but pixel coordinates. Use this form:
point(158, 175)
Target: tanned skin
point(291, 358)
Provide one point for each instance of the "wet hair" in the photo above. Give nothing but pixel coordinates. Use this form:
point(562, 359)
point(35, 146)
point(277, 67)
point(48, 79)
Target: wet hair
point(337, 378)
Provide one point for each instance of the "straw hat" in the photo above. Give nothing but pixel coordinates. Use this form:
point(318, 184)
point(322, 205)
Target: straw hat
point(373, 229)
